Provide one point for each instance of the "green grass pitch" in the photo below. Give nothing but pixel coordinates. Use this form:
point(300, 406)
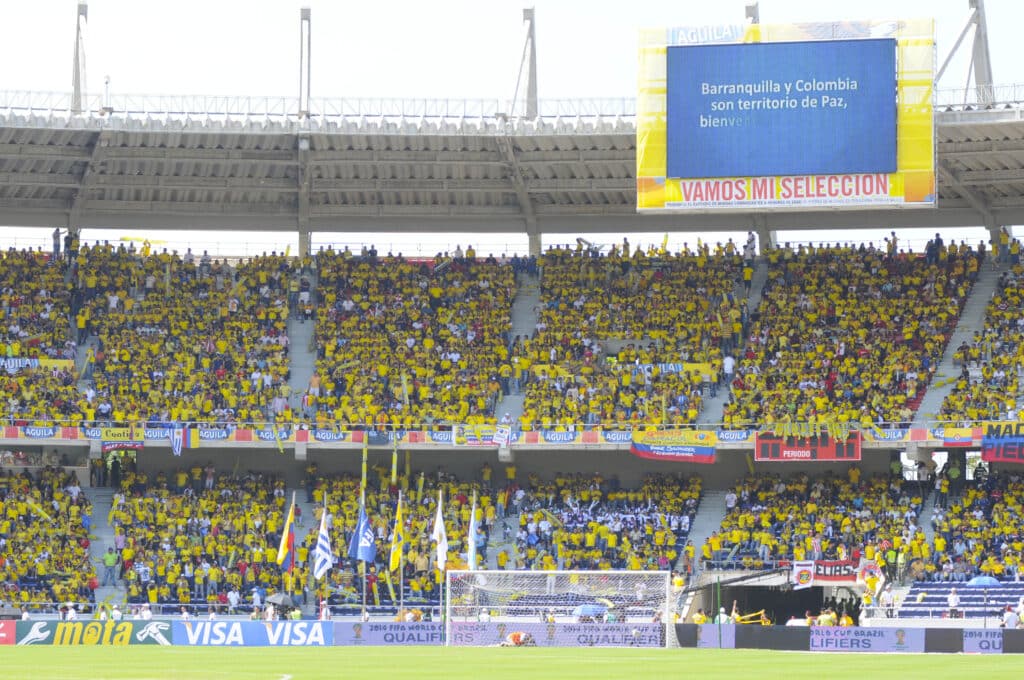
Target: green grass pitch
point(140, 663)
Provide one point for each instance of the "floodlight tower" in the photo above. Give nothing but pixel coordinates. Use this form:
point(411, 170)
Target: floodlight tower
point(78, 76)
point(528, 62)
point(981, 62)
point(302, 176)
point(766, 236)
point(305, 67)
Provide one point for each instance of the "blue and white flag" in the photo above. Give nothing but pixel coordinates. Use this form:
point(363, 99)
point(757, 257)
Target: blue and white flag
point(323, 557)
point(177, 440)
point(363, 546)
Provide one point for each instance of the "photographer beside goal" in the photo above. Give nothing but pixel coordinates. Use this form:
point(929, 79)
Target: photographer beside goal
point(518, 639)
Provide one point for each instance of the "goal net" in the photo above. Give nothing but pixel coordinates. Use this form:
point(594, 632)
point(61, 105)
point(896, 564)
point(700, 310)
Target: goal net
point(558, 608)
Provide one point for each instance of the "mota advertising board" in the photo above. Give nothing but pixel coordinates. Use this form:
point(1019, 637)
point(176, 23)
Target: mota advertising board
point(773, 116)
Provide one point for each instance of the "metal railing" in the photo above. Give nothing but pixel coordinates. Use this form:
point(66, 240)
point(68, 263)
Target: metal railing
point(100, 109)
point(443, 426)
point(960, 98)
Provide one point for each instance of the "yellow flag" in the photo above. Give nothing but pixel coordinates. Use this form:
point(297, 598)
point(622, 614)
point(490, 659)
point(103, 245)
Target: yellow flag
point(394, 462)
point(397, 539)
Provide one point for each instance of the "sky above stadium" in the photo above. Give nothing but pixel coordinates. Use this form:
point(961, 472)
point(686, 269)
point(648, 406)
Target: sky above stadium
point(400, 48)
point(405, 49)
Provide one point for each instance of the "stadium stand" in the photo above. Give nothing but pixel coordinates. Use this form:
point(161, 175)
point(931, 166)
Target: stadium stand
point(978, 531)
point(931, 600)
point(406, 343)
point(673, 315)
point(34, 307)
point(177, 342)
point(588, 522)
point(991, 363)
point(44, 540)
point(848, 335)
point(771, 519)
point(195, 537)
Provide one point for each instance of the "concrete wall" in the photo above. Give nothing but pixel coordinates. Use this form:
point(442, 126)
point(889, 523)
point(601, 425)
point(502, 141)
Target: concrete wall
point(466, 463)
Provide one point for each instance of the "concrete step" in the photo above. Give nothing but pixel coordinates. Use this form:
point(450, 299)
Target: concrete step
point(972, 319)
point(709, 518)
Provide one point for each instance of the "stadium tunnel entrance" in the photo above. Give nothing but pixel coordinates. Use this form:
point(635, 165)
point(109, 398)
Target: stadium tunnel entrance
point(778, 603)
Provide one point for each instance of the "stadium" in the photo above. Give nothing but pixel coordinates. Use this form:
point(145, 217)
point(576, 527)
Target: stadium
point(546, 425)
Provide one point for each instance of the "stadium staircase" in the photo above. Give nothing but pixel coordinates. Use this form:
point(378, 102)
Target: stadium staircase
point(709, 518)
point(757, 285)
point(101, 537)
point(302, 353)
point(972, 319)
point(525, 312)
point(714, 405)
point(499, 542)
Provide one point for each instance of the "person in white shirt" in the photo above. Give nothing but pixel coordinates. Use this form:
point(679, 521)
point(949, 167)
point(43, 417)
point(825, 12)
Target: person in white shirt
point(953, 600)
point(116, 614)
point(1010, 618)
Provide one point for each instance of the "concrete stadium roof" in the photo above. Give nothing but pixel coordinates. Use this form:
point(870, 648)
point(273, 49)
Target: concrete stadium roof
point(424, 165)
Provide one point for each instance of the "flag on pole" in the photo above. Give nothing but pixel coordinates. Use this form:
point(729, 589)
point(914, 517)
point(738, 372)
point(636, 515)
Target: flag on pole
point(394, 462)
point(286, 551)
point(363, 547)
point(323, 556)
point(471, 536)
point(439, 535)
point(184, 437)
point(362, 480)
point(397, 539)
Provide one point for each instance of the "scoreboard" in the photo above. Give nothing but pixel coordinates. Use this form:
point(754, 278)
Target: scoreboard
point(786, 117)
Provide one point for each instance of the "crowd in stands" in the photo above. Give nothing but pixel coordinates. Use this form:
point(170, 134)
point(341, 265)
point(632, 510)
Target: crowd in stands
point(582, 521)
point(34, 306)
point(992, 361)
point(409, 342)
point(977, 530)
point(771, 519)
point(200, 539)
point(848, 335)
point(673, 317)
point(181, 340)
point(45, 519)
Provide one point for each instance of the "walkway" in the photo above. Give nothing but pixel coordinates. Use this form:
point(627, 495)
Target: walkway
point(972, 319)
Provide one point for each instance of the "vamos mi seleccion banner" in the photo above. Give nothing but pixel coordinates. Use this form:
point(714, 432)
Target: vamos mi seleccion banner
point(791, 116)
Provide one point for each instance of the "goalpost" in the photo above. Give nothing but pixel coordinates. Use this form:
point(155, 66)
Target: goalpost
point(560, 608)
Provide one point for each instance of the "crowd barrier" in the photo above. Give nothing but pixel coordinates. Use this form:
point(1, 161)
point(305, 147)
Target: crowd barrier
point(838, 639)
point(1000, 441)
point(370, 633)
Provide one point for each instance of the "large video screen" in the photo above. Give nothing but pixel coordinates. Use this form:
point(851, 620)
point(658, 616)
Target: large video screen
point(774, 117)
point(807, 108)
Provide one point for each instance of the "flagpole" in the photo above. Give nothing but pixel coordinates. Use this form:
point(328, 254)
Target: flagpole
point(291, 567)
point(401, 564)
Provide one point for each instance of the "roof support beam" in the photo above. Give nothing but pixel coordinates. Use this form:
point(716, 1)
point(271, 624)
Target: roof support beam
point(976, 200)
point(101, 141)
point(505, 144)
point(303, 181)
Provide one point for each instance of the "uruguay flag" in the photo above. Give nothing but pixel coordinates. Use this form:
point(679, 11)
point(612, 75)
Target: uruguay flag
point(183, 437)
point(363, 546)
point(286, 551)
point(323, 556)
